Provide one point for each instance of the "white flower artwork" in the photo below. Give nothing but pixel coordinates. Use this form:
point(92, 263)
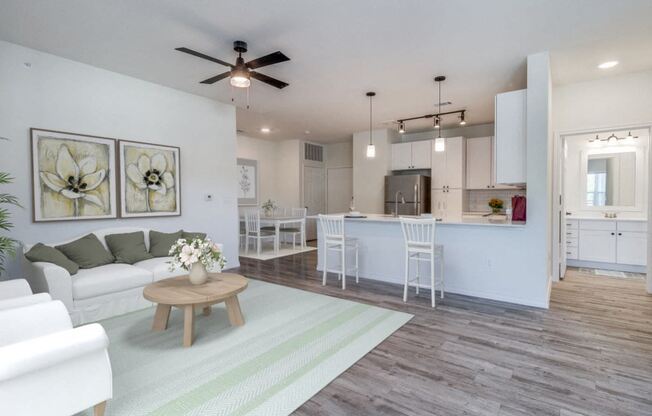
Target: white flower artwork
point(149, 179)
point(247, 182)
point(73, 176)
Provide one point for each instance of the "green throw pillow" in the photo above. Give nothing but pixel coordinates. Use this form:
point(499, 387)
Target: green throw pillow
point(191, 236)
point(128, 248)
point(160, 243)
point(87, 252)
point(41, 252)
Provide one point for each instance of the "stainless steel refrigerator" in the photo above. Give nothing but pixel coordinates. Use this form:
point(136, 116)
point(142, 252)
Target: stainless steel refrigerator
point(409, 193)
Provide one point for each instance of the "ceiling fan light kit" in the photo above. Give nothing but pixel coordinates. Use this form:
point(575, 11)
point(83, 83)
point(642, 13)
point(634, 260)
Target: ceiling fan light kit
point(241, 72)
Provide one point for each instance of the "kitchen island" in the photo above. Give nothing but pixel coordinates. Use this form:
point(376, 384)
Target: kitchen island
point(482, 258)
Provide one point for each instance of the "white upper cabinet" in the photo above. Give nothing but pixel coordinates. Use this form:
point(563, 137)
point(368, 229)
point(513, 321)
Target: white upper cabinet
point(510, 139)
point(448, 166)
point(478, 163)
point(421, 154)
point(411, 155)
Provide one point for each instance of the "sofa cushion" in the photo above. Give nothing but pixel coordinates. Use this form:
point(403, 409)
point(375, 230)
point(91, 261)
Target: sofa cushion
point(160, 243)
point(41, 252)
point(128, 247)
point(87, 252)
point(110, 278)
point(189, 236)
point(159, 267)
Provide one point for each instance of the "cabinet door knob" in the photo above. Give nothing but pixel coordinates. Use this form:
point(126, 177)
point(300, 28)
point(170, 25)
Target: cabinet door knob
point(613, 233)
point(620, 233)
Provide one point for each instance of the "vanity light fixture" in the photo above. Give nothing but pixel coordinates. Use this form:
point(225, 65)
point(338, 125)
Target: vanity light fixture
point(613, 139)
point(371, 149)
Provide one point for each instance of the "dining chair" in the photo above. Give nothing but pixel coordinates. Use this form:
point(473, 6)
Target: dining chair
point(294, 230)
point(253, 230)
point(336, 241)
point(420, 246)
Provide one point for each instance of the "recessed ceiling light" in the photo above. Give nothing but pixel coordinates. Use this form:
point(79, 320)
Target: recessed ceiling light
point(608, 64)
point(265, 129)
point(307, 131)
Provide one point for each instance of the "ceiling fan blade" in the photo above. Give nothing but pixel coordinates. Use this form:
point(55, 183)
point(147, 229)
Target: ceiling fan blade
point(201, 55)
point(268, 80)
point(271, 59)
point(213, 80)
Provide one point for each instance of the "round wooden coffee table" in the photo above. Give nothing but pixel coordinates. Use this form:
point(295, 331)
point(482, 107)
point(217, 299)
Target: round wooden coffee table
point(180, 293)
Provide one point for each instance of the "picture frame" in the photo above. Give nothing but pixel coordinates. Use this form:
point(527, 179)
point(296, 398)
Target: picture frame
point(73, 176)
point(150, 179)
point(247, 178)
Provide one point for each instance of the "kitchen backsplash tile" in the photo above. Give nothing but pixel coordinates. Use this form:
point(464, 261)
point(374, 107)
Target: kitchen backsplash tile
point(478, 199)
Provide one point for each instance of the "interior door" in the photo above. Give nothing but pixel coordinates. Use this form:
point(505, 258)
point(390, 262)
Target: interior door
point(478, 163)
point(314, 196)
point(339, 190)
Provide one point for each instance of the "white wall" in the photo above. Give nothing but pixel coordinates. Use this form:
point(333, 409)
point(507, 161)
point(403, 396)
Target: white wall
point(339, 155)
point(612, 101)
point(369, 174)
point(266, 153)
point(289, 173)
point(59, 94)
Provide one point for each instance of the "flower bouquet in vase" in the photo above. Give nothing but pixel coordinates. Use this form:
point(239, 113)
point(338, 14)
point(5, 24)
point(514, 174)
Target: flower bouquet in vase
point(197, 257)
point(496, 205)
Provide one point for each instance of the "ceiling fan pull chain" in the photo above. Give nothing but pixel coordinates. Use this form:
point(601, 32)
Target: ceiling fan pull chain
point(232, 98)
point(248, 97)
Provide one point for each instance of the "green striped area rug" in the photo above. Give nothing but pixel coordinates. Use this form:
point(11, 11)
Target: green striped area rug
point(292, 345)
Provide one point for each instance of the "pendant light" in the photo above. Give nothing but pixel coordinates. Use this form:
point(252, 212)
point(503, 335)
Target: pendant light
point(440, 144)
point(371, 149)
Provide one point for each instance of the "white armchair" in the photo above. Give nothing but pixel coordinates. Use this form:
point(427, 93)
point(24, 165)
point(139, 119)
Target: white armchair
point(49, 368)
point(16, 293)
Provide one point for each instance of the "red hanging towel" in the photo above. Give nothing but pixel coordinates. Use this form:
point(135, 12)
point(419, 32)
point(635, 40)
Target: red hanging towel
point(518, 208)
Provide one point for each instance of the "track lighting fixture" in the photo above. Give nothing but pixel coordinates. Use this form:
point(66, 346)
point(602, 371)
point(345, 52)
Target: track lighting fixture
point(371, 149)
point(437, 118)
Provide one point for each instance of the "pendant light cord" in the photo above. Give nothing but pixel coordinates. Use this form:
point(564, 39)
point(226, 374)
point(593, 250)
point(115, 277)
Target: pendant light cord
point(439, 109)
point(370, 115)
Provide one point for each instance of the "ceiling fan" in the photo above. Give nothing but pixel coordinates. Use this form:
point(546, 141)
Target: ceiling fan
point(241, 73)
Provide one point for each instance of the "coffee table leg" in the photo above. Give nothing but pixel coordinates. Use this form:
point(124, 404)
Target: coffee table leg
point(233, 309)
point(161, 317)
point(207, 310)
point(188, 325)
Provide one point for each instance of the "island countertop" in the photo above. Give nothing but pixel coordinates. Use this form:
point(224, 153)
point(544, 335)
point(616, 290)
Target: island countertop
point(473, 220)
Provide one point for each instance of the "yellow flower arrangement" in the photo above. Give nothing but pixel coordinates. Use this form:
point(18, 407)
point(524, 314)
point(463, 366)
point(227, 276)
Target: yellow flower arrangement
point(496, 204)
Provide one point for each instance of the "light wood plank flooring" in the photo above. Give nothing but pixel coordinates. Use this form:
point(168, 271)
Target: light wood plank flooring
point(590, 354)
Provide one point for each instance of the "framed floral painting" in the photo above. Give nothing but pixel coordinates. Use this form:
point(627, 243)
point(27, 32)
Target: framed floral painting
point(247, 182)
point(149, 179)
point(73, 176)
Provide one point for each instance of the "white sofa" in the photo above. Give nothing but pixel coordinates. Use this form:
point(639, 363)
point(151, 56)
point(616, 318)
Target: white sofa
point(47, 367)
point(16, 293)
point(100, 292)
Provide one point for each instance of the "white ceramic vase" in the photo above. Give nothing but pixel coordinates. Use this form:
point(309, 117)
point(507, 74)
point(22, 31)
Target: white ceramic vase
point(198, 274)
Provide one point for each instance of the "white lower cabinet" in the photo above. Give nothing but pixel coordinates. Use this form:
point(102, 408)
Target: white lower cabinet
point(607, 241)
point(447, 204)
point(631, 248)
point(597, 245)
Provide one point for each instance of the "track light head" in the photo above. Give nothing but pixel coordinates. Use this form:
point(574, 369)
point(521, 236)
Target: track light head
point(401, 127)
point(462, 121)
point(437, 122)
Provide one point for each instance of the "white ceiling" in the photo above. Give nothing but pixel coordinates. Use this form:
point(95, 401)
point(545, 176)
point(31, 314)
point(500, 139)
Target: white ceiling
point(341, 49)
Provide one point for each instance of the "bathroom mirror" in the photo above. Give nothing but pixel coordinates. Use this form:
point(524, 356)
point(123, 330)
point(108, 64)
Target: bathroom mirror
point(611, 180)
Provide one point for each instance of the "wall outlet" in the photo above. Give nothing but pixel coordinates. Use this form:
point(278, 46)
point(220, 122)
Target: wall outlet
point(208, 197)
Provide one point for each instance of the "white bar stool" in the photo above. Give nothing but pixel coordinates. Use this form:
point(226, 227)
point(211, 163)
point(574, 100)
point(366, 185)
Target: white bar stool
point(419, 235)
point(332, 227)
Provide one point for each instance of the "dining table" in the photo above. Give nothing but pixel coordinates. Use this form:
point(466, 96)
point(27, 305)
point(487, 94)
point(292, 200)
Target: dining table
point(278, 220)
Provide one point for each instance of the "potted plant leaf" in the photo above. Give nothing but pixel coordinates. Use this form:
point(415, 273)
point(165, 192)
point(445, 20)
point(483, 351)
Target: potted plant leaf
point(7, 244)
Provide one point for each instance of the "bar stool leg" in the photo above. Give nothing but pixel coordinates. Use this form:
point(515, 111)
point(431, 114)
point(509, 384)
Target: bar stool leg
point(441, 273)
point(418, 268)
point(407, 273)
point(344, 266)
point(323, 282)
point(432, 279)
point(357, 275)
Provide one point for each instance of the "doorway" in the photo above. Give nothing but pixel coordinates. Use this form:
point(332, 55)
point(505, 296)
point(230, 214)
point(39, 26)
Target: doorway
point(601, 182)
